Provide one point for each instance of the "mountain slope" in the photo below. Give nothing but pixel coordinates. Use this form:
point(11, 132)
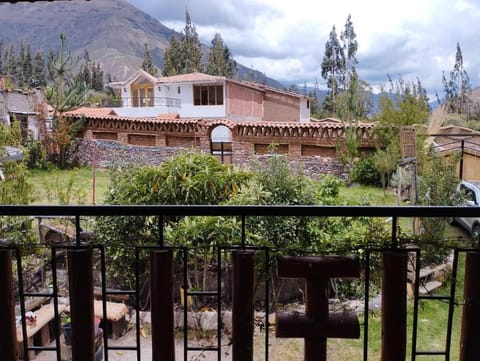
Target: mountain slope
point(113, 31)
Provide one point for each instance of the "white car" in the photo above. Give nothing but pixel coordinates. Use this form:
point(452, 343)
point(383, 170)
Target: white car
point(471, 192)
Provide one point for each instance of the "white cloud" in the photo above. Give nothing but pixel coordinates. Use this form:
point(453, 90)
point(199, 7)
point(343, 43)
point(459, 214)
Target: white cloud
point(286, 39)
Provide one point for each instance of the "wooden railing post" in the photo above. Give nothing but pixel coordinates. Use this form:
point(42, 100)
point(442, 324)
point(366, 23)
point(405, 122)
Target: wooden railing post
point(163, 338)
point(8, 340)
point(317, 324)
point(243, 306)
point(394, 306)
point(469, 341)
point(81, 304)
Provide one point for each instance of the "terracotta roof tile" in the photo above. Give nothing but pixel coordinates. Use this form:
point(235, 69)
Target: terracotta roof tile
point(169, 116)
point(90, 112)
point(189, 78)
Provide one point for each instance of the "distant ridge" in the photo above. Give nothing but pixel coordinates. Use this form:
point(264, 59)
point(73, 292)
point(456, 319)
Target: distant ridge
point(112, 31)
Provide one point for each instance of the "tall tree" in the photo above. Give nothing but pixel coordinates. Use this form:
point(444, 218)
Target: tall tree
point(173, 62)
point(19, 65)
point(332, 68)
point(64, 94)
point(27, 67)
point(147, 64)
point(457, 86)
point(97, 77)
point(11, 64)
point(349, 47)
point(191, 47)
point(84, 76)
point(38, 71)
point(220, 60)
point(51, 66)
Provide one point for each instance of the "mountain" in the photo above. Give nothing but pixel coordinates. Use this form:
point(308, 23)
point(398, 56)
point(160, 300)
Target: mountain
point(112, 31)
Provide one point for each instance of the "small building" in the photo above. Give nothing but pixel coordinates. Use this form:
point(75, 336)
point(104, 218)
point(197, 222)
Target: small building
point(198, 95)
point(24, 107)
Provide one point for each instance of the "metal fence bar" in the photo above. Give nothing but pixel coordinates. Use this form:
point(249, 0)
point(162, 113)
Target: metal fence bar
point(55, 302)
point(451, 306)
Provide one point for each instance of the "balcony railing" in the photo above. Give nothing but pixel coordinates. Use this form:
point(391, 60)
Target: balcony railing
point(128, 102)
point(87, 268)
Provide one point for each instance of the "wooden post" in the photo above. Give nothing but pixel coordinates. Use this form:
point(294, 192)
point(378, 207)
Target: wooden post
point(394, 306)
point(469, 340)
point(8, 340)
point(243, 306)
point(316, 308)
point(81, 304)
point(163, 338)
point(316, 325)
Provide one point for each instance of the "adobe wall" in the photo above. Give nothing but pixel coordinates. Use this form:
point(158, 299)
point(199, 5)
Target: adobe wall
point(108, 154)
point(244, 104)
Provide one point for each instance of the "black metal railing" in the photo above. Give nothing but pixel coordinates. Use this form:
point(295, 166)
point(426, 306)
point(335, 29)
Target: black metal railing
point(243, 213)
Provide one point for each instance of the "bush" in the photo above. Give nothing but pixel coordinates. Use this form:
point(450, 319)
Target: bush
point(366, 172)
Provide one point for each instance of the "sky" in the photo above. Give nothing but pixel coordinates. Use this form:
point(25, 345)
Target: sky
point(286, 39)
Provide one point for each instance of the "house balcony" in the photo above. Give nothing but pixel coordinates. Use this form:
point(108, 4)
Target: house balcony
point(129, 102)
point(241, 279)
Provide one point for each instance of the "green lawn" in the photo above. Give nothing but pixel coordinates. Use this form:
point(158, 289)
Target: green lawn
point(74, 186)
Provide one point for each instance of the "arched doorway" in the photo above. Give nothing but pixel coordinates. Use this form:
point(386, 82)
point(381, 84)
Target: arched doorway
point(221, 144)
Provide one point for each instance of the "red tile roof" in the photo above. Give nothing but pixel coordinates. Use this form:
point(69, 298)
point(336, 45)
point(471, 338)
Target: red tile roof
point(190, 78)
point(90, 112)
point(106, 113)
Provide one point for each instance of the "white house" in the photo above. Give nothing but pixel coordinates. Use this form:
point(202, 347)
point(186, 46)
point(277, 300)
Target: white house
point(198, 95)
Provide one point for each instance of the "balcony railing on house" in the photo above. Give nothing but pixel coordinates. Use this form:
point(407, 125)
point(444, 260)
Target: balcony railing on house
point(86, 268)
point(135, 102)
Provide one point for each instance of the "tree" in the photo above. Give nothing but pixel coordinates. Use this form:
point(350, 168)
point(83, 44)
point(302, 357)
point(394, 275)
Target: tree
point(457, 87)
point(28, 67)
point(64, 94)
point(19, 67)
point(147, 64)
point(38, 71)
point(406, 104)
point(187, 178)
point(333, 68)
point(173, 62)
point(220, 61)
point(51, 66)
point(437, 186)
point(350, 47)
point(191, 47)
point(10, 60)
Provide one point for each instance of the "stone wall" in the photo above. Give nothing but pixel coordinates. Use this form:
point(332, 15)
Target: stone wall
point(107, 154)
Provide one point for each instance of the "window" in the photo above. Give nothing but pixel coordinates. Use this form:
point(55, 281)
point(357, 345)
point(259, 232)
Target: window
point(208, 95)
point(308, 104)
point(178, 90)
point(142, 95)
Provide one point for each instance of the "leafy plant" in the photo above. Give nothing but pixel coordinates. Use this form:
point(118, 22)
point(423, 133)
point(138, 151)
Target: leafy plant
point(366, 172)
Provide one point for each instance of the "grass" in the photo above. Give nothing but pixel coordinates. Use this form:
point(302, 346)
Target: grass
point(73, 186)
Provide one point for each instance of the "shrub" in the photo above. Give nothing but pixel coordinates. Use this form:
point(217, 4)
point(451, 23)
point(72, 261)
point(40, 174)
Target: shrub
point(366, 172)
